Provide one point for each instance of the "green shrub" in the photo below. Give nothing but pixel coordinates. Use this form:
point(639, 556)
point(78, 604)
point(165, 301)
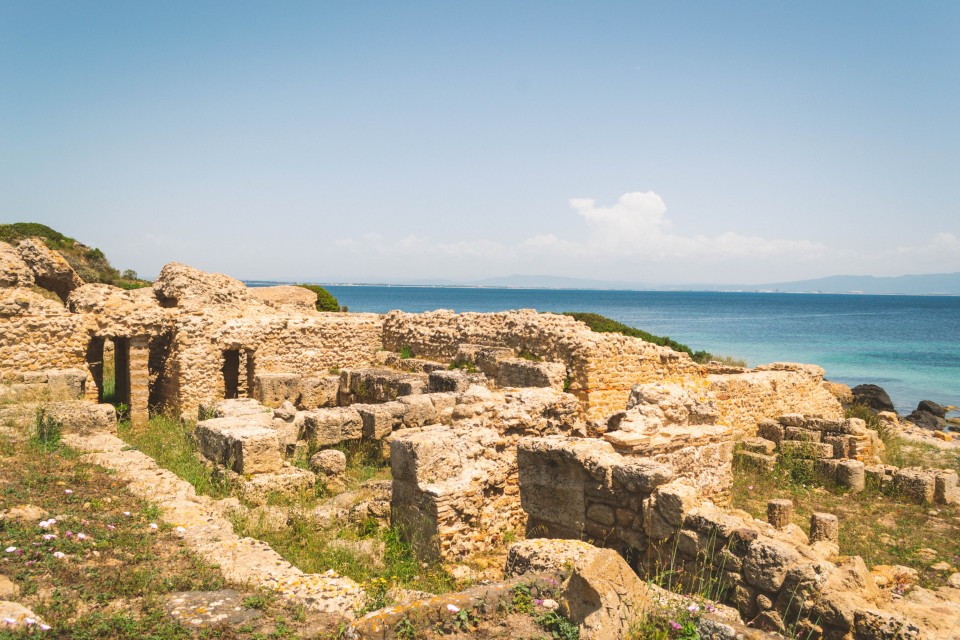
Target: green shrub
point(47, 431)
point(603, 324)
point(325, 299)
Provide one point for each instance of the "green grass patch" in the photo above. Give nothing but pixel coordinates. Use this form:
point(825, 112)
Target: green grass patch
point(171, 444)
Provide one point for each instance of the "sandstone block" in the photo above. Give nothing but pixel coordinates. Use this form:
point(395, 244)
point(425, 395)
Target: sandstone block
point(239, 444)
point(287, 481)
point(601, 514)
point(945, 487)
point(851, 475)
point(780, 513)
point(50, 270)
point(603, 596)
point(675, 500)
point(273, 389)
point(915, 485)
point(418, 411)
point(766, 564)
point(318, 391)
point(330, 426)
point(872, 624)
point(544, 555)
point(379, 385)
point(640, 476)
point(83, 418)
point(770, 430)
point(380, 420)
point(759, 445)
point(755, 460)
point(791, 420)
point(806, 449)
point(801, 434)
point(453, 381)
point(517, 372)
point(235, 408)
point(824, 526)
point(486, 358)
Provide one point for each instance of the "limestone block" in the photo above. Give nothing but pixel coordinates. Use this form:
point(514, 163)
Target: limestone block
point(675, 500)
point(826, 468)
point(603, 595)
point(66, 384)
point(601, 514)
point(517, 372)
point(83, 418)
point(318, 391)
point(780, 513)
point(824, 526)
point(639, 475)
point(453, 381)
point(806, 449)
point(791, 420)
point(755, 460)
point(379, 385)
point(945, 487)
point(802, 434)
point(486, 358)
point(331, 466)
point(235, 408)
point(915, 485)
point(179, 285)
point(286, 412)
point(854, 426)
point(286, 296)
point(851, 475)
point(287, 481)
point(759, 445)
point(418, 411)
point(770, 430)
point(840, 443)
point(330, 426)
point(544, 555)
point(766, 564)
point(246, 446)
point(380, 420)
point(273, 389)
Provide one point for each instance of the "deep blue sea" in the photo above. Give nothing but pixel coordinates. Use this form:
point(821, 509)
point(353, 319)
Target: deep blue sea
point(909, 345)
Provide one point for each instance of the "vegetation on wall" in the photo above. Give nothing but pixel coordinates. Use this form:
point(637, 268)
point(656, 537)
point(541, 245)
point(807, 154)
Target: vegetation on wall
point(325, 299)
point(603, 324)
point(89, 262)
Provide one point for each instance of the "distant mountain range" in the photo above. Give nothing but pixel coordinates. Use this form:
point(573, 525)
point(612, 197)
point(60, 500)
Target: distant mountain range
point(925, 284)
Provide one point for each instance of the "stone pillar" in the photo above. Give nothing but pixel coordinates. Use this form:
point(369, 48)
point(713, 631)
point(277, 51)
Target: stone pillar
point(851, 474)
point(780, 513)
point(138, 360)
point(121, 370)
point(95, 367)
point(824, 526)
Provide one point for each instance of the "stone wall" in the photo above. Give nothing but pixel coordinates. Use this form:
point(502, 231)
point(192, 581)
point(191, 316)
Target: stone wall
point(601, 367)
point(38, 334)
point(769, 391)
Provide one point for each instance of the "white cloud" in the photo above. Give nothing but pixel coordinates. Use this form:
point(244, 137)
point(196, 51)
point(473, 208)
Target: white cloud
point(634, 239)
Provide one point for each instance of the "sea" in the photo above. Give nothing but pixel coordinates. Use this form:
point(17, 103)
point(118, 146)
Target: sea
point(909, 345)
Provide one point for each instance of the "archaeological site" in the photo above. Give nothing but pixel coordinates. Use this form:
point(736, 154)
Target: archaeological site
point(589, 477)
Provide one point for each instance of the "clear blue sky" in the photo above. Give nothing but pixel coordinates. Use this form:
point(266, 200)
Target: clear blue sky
point(656, 142)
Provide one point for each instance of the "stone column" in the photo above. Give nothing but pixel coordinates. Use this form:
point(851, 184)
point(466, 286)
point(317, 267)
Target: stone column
point(780, 513)
point(139, 375)
point(824, 526)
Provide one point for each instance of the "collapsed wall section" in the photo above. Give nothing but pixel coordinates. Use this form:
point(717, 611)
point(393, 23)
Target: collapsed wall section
point(601, 367)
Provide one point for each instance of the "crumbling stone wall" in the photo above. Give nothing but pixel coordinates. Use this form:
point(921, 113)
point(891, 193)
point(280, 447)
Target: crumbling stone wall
point(769, 391)
point(38, 334)
point(602, 367)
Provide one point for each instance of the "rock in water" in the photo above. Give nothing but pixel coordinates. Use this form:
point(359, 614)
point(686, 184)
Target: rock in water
point(872, 396)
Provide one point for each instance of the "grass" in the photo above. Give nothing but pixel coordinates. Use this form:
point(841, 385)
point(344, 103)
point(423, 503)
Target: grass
point(100, 570)
point(603, 324)
point(170, 443)
point(881, 528)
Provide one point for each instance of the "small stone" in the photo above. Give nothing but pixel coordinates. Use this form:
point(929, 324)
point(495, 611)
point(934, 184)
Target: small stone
point(942, 566)
point(331, 463)
point(954, 580)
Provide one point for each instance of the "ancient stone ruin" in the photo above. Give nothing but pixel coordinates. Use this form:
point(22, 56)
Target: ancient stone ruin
point(614, 454)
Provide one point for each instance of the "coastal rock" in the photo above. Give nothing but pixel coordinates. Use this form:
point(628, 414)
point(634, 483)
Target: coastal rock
point(929, 415)
point(872, 396)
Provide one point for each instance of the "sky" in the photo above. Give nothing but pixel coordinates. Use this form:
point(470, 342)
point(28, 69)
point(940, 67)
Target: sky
point(654, 142)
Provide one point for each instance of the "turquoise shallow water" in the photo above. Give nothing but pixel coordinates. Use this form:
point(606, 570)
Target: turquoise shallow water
point(909, 345)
